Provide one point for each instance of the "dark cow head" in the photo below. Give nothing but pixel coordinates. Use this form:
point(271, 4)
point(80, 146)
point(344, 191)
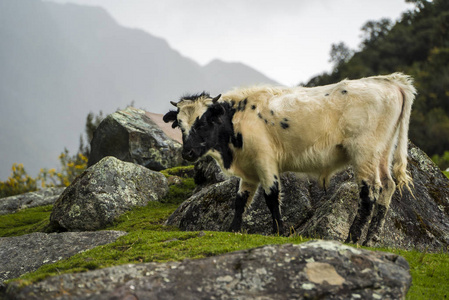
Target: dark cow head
point(200, 118)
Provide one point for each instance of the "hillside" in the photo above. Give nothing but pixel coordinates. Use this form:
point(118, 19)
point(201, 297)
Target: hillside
point(61, 61)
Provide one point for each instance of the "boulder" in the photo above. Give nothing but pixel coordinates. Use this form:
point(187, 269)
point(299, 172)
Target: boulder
point(42, 197)
point(206, 172)
point(131, 136)
point(419, 221)
point(26, 253)
point(313, 270)
point(105, 191)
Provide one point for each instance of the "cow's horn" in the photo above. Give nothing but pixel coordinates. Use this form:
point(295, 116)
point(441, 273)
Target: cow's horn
point(174, 103)
point(214, 100)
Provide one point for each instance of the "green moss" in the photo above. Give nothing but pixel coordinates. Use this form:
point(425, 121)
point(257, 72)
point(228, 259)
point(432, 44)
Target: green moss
point(151, 241)
point(25, 221)
point(182, 171)
point(179, 192)
point(429, 273)
point(156, 246)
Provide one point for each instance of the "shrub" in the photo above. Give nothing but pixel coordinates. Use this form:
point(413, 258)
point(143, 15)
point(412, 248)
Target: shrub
point(18, 183)
point(71, 167)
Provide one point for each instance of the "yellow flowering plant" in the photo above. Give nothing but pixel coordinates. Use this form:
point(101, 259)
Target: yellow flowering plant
point(20, 182)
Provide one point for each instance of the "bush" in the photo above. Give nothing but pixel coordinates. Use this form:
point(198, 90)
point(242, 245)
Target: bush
point(20, 182)
point(71, 167)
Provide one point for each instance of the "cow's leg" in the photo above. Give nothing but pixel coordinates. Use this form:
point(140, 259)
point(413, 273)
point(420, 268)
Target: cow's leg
point(370, 186)
point(382, 204)
point(243, 199)
point(272, 194)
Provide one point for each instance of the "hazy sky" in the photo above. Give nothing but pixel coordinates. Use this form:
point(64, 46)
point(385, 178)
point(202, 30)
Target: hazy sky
point(287, 40)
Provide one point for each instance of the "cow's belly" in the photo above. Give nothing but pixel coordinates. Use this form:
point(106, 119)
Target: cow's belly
point(316, 161)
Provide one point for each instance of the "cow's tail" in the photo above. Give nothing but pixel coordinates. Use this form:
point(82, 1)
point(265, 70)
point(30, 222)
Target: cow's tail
point(408, 91)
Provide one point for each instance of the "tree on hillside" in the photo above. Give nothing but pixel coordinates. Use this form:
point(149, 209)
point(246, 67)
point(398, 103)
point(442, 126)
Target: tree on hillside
point(92, 122)
point(417, 44)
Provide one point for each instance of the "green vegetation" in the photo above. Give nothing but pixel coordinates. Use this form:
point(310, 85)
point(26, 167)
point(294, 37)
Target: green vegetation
point(148, 240)
point(25, 221)
point(429, 273)
point(20, 182)
point(418, 45)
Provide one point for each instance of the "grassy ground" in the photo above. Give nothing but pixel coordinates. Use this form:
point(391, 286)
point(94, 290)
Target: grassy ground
point(150, 241)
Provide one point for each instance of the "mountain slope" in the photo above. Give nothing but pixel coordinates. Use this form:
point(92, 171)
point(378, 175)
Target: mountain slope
point(60, 61)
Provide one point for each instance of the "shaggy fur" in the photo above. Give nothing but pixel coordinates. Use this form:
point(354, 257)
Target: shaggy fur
point(318, 131)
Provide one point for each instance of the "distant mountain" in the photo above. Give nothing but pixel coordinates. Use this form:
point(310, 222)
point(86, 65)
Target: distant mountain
point(60, 61)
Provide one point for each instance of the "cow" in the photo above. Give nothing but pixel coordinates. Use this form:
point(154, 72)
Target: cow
point(258, 132)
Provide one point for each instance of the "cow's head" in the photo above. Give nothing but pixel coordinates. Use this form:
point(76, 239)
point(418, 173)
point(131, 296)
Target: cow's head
point(199, 117)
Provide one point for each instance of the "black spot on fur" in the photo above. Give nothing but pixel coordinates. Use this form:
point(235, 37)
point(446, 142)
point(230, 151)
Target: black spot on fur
point(344, 92)
point(327, 94)
point(266, 121)
point(237, 140)
point(242, 105)
point(232, 103)
point(253, 107)
point(272, 112)
point(285, 120)
point(284, 125)
point(259, 115)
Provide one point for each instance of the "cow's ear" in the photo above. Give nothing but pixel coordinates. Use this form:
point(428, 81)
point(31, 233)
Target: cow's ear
point(214, 113)
point(170, 116)
point(175, 124)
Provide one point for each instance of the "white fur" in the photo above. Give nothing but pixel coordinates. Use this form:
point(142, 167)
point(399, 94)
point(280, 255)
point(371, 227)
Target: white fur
point(353, 122)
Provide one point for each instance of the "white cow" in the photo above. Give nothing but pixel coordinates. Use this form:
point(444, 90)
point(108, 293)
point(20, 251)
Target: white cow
point(259, 132)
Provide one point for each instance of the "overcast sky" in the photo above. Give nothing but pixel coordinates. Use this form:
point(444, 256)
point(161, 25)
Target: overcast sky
point(287, 40)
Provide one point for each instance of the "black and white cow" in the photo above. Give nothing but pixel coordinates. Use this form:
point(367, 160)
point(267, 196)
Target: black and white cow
point(259, 132)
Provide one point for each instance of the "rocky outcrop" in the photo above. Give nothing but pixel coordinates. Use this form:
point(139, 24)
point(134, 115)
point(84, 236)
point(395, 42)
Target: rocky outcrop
point(131, 136)
point(46, 196)
point(104, 192)
point(23, 254)
point(313, 270)
point(207, 172)
point(419, 221)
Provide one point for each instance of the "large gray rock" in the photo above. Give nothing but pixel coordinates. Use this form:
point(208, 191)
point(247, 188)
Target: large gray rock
point(420, 221)
point(26, 253)
point(42, 197)
point(130, 135)
point(313, 270)
point(105, 191)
